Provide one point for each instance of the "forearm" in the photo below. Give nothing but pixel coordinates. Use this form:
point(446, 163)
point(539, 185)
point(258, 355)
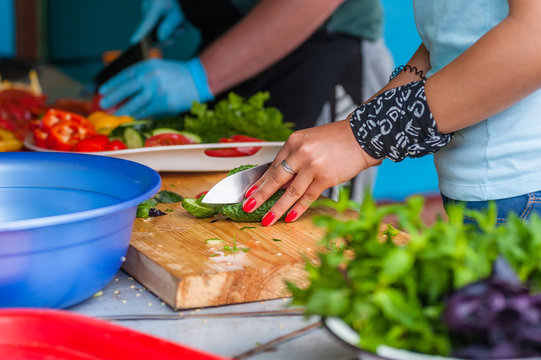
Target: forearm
point(419, 60)
point(499, 70)
point(269, 32)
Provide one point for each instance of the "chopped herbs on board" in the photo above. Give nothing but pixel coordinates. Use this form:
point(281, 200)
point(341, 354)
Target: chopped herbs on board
point(148, 207)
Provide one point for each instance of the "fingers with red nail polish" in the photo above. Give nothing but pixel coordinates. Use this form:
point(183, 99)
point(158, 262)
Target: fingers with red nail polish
point(292, 215)
point(249, 205)
point(268, 218)
point(250, 191)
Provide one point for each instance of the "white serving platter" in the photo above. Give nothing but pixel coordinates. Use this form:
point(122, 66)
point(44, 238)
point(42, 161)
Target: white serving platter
point(190, 158)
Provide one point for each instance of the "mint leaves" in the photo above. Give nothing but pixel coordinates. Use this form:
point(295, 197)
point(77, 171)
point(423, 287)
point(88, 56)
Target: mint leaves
point(395, 295)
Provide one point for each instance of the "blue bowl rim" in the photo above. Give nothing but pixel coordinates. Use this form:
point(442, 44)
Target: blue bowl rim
point(54, 220)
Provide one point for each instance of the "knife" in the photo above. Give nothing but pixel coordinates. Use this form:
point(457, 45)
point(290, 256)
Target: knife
point(232, 189)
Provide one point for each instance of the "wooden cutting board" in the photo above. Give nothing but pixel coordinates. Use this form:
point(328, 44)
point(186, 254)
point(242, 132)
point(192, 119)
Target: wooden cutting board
point(170, 254)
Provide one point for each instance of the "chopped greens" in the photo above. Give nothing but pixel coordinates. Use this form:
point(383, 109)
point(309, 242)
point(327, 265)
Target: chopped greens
point(213, 241)
point(148, 207)
point(274, 239)
point(247, 227)
point(144, 207)
point(167, 197)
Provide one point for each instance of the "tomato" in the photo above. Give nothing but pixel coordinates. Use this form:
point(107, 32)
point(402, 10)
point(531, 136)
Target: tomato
point(95, 143)
point(236, 151)
point(64, 135)
point(244, 138)
point(168, 139)
point(115, 145)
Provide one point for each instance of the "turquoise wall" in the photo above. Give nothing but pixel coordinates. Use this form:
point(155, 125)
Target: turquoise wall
point(7, 29)
point(396, 181)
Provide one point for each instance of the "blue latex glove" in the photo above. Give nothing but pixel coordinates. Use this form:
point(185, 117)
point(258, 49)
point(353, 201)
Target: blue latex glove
point(157, 87)
point(168, 11)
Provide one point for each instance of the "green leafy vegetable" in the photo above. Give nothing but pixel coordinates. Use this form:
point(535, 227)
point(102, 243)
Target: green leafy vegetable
point(167, 197)
point(395, 295)
point(148, 207)
point(236, 115)
point(144, 207)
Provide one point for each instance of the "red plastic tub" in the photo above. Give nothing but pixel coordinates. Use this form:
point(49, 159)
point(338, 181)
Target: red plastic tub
point(61, 335)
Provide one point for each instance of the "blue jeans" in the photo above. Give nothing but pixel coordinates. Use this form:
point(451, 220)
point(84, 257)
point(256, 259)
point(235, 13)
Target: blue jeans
point(522, 205)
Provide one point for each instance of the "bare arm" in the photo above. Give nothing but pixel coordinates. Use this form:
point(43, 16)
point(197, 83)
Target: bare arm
point(420, 60)
point(269, 32)
point(499, 70)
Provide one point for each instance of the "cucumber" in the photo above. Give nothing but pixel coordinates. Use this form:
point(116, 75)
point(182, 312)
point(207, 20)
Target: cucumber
point(197, 209)
point(236, 213)
point(132, 138)
point(142, 126)
point(195, 138)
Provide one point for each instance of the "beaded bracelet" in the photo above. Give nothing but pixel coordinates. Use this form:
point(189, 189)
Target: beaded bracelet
point(401, 68)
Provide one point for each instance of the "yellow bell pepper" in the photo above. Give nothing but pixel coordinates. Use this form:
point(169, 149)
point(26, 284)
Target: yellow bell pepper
point(105, 123)
point(9, 142)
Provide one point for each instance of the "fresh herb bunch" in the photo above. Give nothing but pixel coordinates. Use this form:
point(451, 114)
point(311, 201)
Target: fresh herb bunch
point(395, 295)
point(236, 115)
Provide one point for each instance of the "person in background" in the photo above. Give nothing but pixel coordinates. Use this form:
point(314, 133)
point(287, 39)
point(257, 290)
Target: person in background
point(477, 109)
point(317, 59)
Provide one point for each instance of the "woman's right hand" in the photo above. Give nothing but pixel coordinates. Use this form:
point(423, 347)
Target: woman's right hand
point(321, 157)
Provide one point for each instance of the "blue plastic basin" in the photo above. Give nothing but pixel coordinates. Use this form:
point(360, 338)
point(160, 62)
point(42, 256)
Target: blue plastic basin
point(65, 224)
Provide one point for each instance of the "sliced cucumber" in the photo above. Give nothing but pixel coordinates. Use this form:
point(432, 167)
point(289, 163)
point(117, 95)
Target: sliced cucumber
point(133, 138)
point(195, 138)
point(197, 209)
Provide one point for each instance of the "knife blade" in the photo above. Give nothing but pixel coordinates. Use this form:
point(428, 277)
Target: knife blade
point(232, 189)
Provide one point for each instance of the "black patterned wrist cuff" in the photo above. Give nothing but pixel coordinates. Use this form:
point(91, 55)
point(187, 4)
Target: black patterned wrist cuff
point(398, 124)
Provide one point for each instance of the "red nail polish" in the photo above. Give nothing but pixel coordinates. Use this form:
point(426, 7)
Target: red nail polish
point(251, 191)
point(249, 205)
point(267, 219)
point(291, 216)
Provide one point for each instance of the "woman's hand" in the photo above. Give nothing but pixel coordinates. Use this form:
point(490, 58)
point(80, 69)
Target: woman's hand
point(321, 157)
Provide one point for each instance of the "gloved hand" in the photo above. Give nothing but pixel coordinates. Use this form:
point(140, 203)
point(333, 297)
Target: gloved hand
point(168, 11)
point(157, 87)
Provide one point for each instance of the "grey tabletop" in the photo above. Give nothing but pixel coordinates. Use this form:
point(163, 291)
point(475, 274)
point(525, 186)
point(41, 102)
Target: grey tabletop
point(230, 336)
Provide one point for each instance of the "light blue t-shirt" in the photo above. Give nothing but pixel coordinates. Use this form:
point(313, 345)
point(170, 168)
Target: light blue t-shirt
point(499, 157)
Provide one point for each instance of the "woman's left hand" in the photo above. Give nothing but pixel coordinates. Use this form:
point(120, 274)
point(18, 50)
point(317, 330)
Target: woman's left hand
point(319, 157)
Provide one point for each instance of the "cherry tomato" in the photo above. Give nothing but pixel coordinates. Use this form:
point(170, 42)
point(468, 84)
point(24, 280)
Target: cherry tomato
point(168, 139)
point(115, 145)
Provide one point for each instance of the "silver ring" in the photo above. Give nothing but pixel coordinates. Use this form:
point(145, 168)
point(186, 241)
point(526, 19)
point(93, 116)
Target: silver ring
point(287, 168)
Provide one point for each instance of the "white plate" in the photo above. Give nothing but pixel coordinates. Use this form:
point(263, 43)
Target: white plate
point(186, 157)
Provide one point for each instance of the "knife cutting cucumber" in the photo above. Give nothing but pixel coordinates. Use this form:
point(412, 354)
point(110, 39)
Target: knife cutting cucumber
point(232, 211)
